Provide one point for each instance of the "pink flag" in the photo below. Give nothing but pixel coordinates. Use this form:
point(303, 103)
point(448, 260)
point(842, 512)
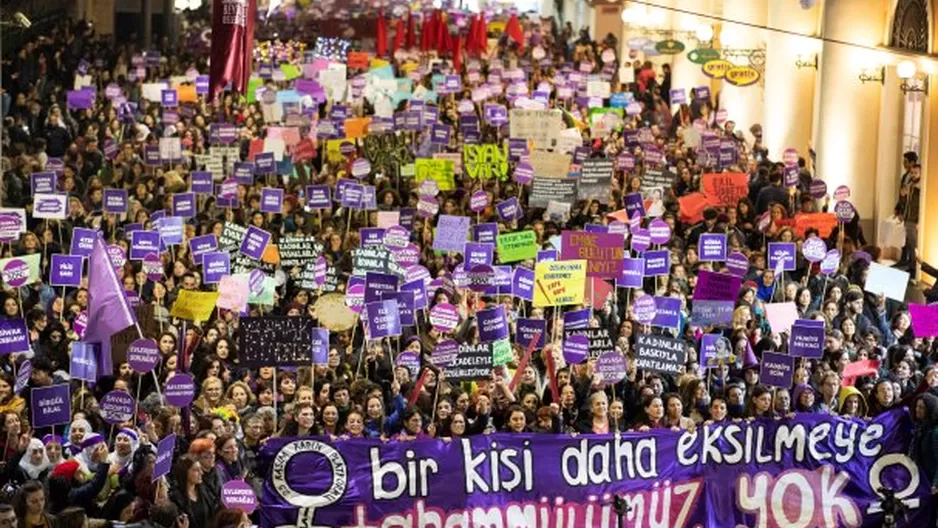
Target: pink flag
point(109, 311)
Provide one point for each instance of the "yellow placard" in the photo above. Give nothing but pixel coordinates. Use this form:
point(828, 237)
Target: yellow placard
point(559, 283)
point(440, 170)
point(194, 305)
point(333, 154)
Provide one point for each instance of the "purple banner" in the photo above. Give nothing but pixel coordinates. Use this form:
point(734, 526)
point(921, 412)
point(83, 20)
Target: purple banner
point(708, 478)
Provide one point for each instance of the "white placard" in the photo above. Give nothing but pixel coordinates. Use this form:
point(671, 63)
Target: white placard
point(883, 280)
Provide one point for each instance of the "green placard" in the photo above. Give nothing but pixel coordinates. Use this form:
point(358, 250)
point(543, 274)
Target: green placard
point(513, 247)
point(501, 352)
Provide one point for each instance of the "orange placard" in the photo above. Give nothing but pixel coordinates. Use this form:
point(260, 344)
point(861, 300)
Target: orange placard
point(356, 128)
point(726, 188)
point(185, 93)
point(358, 59)
point(823, 222)
point(271, 255)
point(621, 215)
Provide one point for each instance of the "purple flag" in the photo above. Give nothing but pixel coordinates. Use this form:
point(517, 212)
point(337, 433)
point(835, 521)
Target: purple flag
point(109, 311)
point(84, 364)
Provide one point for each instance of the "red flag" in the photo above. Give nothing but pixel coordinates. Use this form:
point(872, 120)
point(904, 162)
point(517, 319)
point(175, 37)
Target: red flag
point(382, 36)
point(513, 30)
point(471, 38)
point(442, 34)
point(457, 55)
point(232, 46)
point(411, 38)
point(482, 36)
point(426, 34)
point(398, 36)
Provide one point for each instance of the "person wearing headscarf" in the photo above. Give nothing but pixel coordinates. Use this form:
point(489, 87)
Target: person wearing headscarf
point(35, 463)
point(924, 445)
point(53, 444)
point(85, 458)
point(76, 435)
point(125, 445)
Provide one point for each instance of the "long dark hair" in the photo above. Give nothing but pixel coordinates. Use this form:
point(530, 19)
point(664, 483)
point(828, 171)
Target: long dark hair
point(181, 471)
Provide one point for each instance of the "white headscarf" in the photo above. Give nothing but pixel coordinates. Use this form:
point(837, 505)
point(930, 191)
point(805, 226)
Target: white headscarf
point(88, 445)
point(124, 461)
point(26, 463)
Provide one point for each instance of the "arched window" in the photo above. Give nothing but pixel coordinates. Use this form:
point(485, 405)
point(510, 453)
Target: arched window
point(910, 32)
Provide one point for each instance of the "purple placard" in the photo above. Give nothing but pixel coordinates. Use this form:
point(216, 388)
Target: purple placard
point(611, 367)
point(493, 324)
point(806, 340)
point(479, 253)
point(142, 243)
point(634, 204)
point(202, 182)
point(200, 245)
point(478, 201)
point(657, 263)
point(818, 188)
point(444, 317)
point(255, 242)
point(383, 319)
point(83, 363)
point(644, 309)
point(526, 329)
point(65, 270)
point(237, 494)
point(215, 265)
point(143, 355)
point(171, 231)
point(577, 320)
point(633, 273)
point(115, 201)
point(777, 370)
point(169, 98)
point(164, 457)
point(372, 236)
point(522, 283)
point(244, 173)
point(547, 255)
point(271, 200)
point(445, 353)
point(179, 390)
point(419, 289)
point(737, 264)
point(814, 249)
point(264, 163)
point(524, 173)
point(831, 262)
point(659, 231)
point(784, 252)
point(713, 286)
point(42, 182)
point(640, 239)
point(405, 306)
point(320, 346)
point(575, 348)
point(451, 233)
point(844, 211)
point(667, 312)
point(318, 197)
point(117, 407)
point(509, 209)
point(395, 237)
point(485, 232)
point(184, 205)
point(51, 405)
point(711, 247)
point(16, 273)
point(378, 283)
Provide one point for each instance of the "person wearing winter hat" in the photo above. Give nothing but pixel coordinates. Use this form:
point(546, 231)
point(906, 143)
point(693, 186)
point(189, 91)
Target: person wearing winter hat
point(68, 486)
point(88, 459)
point(804, 398)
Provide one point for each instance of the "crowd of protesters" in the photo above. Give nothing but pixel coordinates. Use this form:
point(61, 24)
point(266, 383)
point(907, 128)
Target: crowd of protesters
point(90, 472)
